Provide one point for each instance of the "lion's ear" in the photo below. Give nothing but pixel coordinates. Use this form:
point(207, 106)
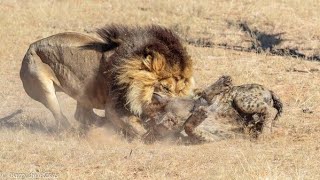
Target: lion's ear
point(154, 62)
point(147, 62)
point(158, 63)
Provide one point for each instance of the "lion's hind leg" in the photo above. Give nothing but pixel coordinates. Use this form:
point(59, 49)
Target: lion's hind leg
point(38, 84)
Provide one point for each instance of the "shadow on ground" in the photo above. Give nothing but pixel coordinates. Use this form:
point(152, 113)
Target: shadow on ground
point(13, 122)
point(261, 42)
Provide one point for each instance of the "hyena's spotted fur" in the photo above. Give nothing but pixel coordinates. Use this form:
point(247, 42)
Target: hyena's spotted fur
point(220, 110)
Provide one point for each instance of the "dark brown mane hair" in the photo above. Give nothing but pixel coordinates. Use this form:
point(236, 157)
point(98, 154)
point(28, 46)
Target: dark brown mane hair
point(133, 44)
point(142, 41)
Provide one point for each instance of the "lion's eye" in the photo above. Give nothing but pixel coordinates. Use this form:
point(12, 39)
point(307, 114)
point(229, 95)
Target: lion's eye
point(166, 88)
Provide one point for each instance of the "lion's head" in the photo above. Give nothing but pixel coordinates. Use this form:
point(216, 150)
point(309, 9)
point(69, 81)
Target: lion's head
point(146, 60)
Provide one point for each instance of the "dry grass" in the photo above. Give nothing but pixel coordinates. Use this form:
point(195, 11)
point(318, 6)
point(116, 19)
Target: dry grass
point(26, 146)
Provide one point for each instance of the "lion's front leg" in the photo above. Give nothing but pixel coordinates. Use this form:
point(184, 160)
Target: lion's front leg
point(87, 117)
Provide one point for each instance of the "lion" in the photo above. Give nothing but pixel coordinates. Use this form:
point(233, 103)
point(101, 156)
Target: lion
point(119, 72)
point(220, 111)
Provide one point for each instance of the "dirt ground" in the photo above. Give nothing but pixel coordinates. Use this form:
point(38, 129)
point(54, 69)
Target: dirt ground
point(29, 149)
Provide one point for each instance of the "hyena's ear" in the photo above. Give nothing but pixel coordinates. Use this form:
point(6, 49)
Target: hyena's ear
point(154, 61)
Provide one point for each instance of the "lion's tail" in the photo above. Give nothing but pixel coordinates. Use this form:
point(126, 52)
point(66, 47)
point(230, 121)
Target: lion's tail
point(277, 104)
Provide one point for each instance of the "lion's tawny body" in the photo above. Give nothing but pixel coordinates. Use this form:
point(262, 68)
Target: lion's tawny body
point(58, 63)
point(118, 73)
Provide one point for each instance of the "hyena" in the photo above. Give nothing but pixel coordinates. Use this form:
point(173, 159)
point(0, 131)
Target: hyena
point(217, 113)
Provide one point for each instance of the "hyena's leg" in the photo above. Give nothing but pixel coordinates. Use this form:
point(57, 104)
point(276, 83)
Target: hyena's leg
point(268, 115)
point(197, 117)
point(38, 81)
point(262, 113)
point(129, 124)
point(232, 115)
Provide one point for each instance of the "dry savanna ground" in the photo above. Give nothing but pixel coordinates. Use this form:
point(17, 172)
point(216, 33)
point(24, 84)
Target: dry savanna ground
point(27, 146)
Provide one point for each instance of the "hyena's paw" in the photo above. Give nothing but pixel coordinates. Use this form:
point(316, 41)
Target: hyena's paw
point(201, 112)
